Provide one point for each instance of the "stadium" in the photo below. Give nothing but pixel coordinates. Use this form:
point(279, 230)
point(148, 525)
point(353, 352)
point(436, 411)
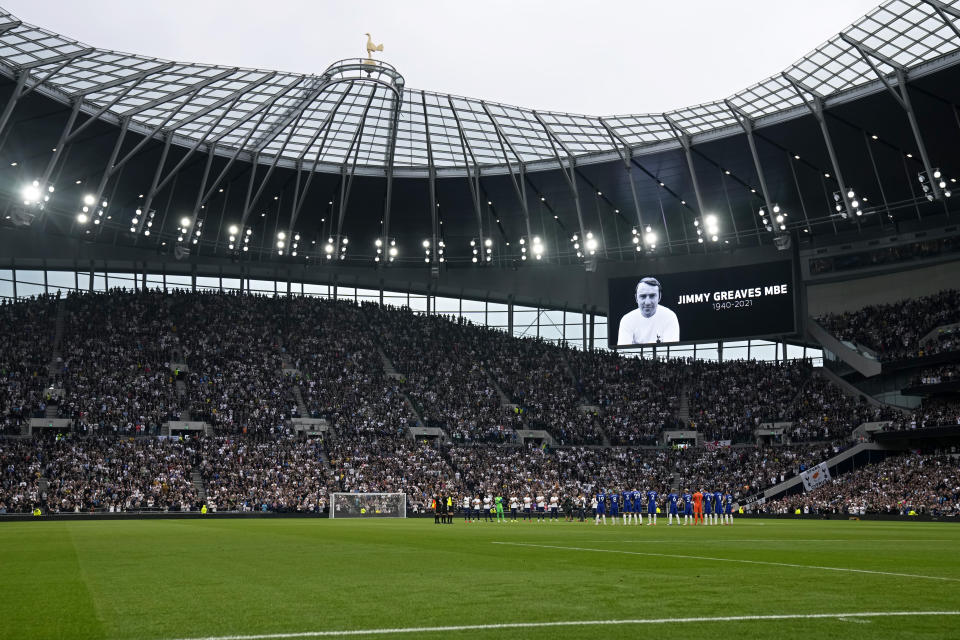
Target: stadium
point(295, 355)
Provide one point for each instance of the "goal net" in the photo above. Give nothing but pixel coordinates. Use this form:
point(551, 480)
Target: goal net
point(368, 505)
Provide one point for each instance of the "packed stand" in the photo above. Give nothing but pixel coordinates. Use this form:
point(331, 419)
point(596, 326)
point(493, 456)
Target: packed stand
point(382, 463)
point(729, 400)
point(894, 330)
point(96, 473)
point(534, 375)
point(441, 362)
point(933, 412)
point(747, 471)
point(283, 474)
point(571, 471)
point(115, 371)
point(25, 351)
point(908, 484)
point(232, 345)
point(639, 398)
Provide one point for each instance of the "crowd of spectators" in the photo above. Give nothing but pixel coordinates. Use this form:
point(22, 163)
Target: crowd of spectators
point(282, 473)
point(938, 375)
point(26, 342)
point(536, 376)
point(115, 368)
point(729, 400)
point(380, 463)
point(97, 472)
point(232, 346)
point(639, 398)
point(249, 364)
point(746, 471)
point(933, 412)
point(440, 360)
point(894, 330)
point(906, 485)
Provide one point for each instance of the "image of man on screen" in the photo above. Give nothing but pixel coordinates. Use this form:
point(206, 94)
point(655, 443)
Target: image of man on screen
point(649, 322)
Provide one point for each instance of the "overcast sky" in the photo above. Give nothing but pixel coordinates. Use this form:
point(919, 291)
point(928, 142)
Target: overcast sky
point(602, 57)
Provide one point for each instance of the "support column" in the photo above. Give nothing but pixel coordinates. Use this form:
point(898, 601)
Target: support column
point(901, 95)
point(815, 105)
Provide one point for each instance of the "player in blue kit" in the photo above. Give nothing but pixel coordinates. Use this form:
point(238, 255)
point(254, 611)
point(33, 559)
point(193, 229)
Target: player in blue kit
point(674, 499)
point(728, 508)
point(651, 507)
point(687, 507)
point(613, 506)
point(627, 497)
point(601, 508)
point(638, 507)
point(717, 506)
point(707, 507)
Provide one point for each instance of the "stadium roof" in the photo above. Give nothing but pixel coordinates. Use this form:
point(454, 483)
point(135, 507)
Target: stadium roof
point(345, 116)
point(216, 152)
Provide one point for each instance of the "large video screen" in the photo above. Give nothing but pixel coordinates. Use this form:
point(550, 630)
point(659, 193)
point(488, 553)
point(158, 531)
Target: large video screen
point(719, 304)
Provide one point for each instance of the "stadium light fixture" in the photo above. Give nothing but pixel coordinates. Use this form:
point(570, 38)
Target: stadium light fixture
point(650, 238)
point(851, 197)
point(89, 199)
point(591, 243)
point(532, 246)
point(925, 183)
point(82, 218)
point(710, 227)
point(31, 193)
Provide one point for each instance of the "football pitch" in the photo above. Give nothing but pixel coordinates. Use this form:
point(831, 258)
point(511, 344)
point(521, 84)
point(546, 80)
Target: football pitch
point(303, 578)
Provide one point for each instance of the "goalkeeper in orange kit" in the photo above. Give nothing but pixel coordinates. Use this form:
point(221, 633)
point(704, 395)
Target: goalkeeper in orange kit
point(697, 507)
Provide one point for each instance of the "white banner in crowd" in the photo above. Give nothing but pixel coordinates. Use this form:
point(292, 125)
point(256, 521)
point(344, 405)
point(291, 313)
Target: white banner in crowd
point(815, 476)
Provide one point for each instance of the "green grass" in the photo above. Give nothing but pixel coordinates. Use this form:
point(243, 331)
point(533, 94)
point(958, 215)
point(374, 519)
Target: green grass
point(158, 580)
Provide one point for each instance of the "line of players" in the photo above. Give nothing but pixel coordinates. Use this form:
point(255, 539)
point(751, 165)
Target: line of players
point(491, 507)
point(716, 507)
point(709, 508)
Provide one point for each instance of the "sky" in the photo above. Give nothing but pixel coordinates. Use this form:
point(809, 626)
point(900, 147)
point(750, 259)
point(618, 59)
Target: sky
point(598, 58)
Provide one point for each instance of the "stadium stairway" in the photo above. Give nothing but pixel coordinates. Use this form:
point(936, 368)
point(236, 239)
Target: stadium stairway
point(504, 400)
point(683, 412)
point(301, 405)
point(391, 372)
point(55, 358)
point(584, 400)
point(182, 395)
point(197, 481)
point(859, 358)
point(326, 462)
point(56, 361)
point(851, 391)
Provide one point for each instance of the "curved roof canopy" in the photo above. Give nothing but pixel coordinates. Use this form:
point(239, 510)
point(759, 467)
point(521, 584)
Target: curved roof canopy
point(345, 116)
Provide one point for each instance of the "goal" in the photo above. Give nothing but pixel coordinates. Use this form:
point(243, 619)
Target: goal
point(368, 505)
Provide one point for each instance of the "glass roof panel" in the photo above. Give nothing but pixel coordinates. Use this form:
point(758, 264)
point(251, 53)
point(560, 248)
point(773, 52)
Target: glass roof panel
point(285, 113)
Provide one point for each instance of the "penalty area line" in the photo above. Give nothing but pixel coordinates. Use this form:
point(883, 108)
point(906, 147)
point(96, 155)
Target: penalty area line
point(577, 623)
point(737, 560)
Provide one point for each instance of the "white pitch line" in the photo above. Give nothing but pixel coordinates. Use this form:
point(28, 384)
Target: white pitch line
point(766, 562)
point(772, 540)
point(576, 623)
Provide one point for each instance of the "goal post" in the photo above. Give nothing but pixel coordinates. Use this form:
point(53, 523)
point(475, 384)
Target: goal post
point(368, 505)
